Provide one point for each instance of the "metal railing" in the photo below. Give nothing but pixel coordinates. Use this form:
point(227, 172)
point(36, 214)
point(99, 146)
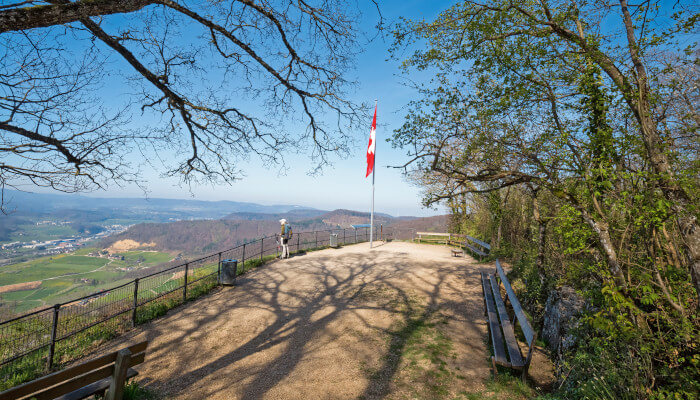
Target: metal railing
point(40, 341)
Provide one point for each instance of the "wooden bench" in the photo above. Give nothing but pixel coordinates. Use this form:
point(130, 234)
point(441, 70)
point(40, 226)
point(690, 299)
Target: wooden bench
point(502, 328)
point(106, 373)
point(434, 237)
point(477, 246)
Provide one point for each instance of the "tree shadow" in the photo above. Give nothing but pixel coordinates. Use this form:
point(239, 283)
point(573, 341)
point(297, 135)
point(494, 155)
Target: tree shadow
point(285, 308)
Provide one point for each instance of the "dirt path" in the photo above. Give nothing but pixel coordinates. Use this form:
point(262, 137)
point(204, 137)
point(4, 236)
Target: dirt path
point(399, 321)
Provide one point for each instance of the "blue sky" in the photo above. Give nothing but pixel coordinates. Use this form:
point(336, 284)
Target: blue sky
point(343, 184)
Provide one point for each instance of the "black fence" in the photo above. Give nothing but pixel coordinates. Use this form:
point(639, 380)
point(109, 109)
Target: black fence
point(40, 341)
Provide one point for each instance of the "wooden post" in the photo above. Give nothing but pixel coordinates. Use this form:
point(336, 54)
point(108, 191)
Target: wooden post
point(54, 328)
point(136, 302)
point(298, 249)
point(343, 236)
point(121, 365)
point(316, 246)
point(261, 248)
point(184, 292)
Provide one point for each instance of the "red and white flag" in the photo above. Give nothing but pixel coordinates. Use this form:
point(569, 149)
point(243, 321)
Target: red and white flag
point(371, 146)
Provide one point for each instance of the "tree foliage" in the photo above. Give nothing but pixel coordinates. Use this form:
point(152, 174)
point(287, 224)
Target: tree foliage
point(89, 87)
point(566, 132)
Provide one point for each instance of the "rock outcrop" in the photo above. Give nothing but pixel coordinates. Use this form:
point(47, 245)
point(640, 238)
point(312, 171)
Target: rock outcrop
point(561, 316)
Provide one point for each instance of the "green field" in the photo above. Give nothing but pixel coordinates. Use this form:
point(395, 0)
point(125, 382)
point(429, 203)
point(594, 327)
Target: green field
point(29, 232)
point(69, 276)
point(49, 267)
point(150, 257)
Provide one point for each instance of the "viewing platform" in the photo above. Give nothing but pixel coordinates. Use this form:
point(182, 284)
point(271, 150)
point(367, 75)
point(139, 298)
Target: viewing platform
point(354, 322)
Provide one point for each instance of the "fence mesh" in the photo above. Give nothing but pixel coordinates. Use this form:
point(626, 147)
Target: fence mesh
point(30, 346)
point(24, 345)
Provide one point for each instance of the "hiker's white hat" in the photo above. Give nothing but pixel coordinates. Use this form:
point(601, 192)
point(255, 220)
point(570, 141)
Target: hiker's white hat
point(283, 221)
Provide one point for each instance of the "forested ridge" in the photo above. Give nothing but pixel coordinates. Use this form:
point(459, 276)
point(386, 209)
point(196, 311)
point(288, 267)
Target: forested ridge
point(566, 134)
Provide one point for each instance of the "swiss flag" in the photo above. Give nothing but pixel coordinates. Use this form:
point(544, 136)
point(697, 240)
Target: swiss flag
point(371, 146)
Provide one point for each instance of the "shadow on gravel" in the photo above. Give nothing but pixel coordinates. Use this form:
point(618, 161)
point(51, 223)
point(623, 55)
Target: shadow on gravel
point(297, 313)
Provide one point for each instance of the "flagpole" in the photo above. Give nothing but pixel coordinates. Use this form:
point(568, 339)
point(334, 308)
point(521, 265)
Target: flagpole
point(374, 162)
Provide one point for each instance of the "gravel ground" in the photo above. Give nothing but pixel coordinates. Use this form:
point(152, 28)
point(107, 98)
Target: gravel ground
point(321, 326)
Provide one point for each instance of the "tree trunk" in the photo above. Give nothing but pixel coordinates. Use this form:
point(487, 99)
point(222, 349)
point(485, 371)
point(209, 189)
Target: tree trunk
point(541, 236)
point(601, 230)
point(653, 143)
point(691, 237)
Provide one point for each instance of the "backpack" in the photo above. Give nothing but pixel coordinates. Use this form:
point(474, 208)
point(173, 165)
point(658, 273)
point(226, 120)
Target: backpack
point(286, 231)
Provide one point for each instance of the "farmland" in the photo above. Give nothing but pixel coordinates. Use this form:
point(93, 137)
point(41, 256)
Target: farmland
point(58, 278)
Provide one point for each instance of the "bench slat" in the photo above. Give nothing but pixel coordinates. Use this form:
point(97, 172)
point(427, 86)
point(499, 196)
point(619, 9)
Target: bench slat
point(60, 376)
point(516, 358)
point(517, 308)
point(93, 388)
point(475, 250)
point(79, 381)
point(496, 336)
point(479, 242)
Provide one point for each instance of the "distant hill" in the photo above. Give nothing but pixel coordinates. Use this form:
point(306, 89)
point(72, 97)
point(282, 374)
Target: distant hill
point(297, 214)
point(437, 223)
point(87, 213)
point(347, 218)
point(203, 237)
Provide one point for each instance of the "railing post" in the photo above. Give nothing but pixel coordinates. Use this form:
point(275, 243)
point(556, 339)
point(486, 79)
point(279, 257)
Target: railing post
point(218, 271)
point(243, 259)
point(54, 329)
point(343, 235)
point(184, 292)
point(316, 234)
point(261, 248)
point(136, 302)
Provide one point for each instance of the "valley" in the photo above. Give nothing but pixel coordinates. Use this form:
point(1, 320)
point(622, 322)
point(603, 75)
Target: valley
point(60, 248)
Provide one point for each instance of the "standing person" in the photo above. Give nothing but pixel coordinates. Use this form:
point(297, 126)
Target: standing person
point(285, 235)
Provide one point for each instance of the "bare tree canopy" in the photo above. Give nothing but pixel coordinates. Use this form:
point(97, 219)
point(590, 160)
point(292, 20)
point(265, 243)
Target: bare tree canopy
point(194, 86)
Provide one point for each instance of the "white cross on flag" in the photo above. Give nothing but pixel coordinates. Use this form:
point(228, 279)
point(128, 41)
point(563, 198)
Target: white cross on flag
point(371, 146)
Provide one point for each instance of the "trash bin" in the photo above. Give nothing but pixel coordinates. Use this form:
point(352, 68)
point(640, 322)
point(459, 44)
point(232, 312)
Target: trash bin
point(334, 240)
point(229, 270)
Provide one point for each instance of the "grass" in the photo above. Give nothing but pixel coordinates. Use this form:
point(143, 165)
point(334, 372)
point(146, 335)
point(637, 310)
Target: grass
point(62, 276)
point(506, 386)
point(426, 351)
point(132, 391)
point(85, 251)
point(41, 233)
point(48, 267)
point(148, 257)
point(417, 362)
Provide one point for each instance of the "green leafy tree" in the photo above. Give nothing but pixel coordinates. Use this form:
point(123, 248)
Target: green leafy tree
point(578, 107)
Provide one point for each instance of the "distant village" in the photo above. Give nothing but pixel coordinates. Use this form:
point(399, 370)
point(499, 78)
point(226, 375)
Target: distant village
point(36, 248)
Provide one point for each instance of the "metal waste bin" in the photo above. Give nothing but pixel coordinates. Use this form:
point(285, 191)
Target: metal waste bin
point(229, 270)
point(334, 240)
